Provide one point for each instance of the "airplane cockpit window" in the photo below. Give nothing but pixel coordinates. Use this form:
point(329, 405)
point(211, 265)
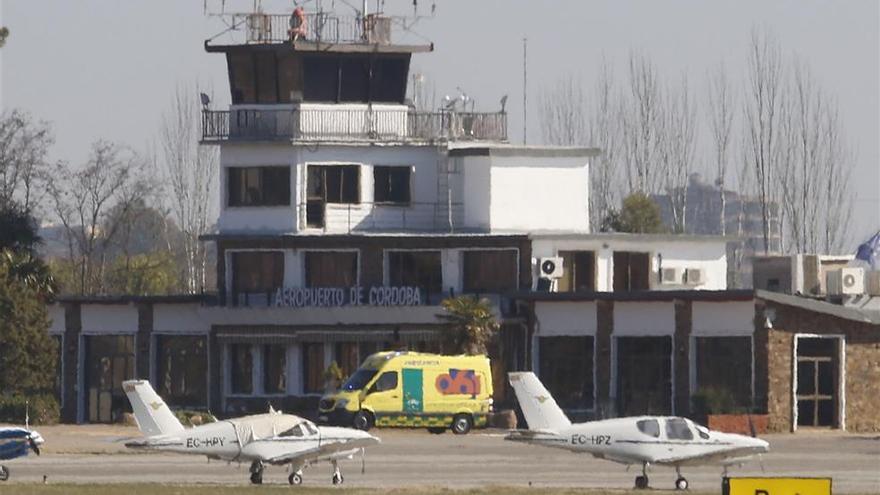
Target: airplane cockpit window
point(677, 429)
point(310, 428)
point(702, 431)
point(296, 431)
point(649, 427)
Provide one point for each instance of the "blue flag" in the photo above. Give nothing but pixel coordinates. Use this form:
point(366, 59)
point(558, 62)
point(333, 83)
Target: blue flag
point(870, 251)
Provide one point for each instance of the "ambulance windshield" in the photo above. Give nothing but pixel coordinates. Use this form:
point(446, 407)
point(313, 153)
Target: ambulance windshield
point(359, 379)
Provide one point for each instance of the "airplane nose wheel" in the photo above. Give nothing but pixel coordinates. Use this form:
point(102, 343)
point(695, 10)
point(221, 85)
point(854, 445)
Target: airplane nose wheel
point(642, 481)
point(337, 478)
point(257, 473)
point(680, 482)
point(4, 473)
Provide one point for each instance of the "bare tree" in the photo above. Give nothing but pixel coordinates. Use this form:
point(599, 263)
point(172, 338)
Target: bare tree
point(676, 135)
point(604, 129)
point(641, 119)
point(563, 112)
point(192, 171)
point(114, 179)
point(814, 167)
point(761, 107)
point(721, 109)
point(24, 148)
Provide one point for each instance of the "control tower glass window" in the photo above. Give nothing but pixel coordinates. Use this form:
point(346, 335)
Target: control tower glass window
point(258, 186)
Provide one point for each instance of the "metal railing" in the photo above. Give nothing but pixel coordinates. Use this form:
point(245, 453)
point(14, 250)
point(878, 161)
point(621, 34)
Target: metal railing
point(320, 27)
point(345, 124)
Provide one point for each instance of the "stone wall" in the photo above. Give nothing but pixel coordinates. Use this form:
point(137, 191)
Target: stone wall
point(862, 367)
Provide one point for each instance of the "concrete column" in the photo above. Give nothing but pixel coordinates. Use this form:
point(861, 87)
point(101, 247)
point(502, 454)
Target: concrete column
point(681, 356)
point(70, 363)
point(603, 364)
point(142, 341)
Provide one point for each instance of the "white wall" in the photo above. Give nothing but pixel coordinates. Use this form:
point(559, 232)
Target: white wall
point(708, 255)
point(109, 318)
point(643, 318)
point(723, 319)
point(477, 191)
point(531, 194)
point(565, 318)
point(179, 318)
point(56, 318)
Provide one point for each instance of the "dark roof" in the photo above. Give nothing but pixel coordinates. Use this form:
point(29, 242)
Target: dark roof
point(824, 307)
point(646, 295)
point(130, 299)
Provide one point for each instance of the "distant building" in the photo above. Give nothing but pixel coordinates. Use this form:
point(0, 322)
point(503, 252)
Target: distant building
point(742, 215)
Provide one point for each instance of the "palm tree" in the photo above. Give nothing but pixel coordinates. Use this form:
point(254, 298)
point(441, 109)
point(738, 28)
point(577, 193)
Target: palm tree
point(472, 324)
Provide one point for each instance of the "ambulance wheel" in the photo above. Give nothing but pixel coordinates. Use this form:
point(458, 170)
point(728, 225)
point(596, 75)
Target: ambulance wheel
point(437, 430)
point(363, 420)
point(4, 473)
point(681, 484)
point(641, 482)
point(462, 423)
point(295, 479)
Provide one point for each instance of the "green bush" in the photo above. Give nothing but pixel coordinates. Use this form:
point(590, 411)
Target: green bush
point(42, 409)
point(711, 400)
point(190, 417)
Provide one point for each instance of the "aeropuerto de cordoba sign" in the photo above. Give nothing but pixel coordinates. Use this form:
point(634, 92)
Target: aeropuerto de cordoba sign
point(333, 297)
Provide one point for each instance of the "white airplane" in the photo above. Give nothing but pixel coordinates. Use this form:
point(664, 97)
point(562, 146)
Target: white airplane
point(645, 440)
point(262, 439)
point(16, 442)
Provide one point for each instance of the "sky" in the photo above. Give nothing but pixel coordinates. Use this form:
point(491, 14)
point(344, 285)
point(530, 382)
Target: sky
point(107, 68)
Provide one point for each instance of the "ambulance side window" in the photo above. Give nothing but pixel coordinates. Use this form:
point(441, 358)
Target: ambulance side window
point(386, 381)
point(649, 427)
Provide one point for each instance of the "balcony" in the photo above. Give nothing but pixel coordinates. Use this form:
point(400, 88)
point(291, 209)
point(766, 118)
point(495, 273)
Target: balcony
point(322, 28)
point(353, 122)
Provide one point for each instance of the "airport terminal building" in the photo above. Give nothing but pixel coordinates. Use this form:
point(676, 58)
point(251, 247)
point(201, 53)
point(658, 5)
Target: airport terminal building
point(347, 215)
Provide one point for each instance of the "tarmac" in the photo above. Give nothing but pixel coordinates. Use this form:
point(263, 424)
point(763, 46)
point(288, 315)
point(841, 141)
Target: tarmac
point(96, 454)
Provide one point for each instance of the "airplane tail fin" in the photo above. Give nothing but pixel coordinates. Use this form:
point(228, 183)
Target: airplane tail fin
point(152, 414)
point(538, 406)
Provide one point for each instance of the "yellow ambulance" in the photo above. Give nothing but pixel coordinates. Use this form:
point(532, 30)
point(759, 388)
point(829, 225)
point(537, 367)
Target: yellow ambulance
point(413, 390)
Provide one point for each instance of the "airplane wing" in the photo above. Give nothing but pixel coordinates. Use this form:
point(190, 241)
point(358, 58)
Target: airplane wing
point(730, 456)
point(274, 455)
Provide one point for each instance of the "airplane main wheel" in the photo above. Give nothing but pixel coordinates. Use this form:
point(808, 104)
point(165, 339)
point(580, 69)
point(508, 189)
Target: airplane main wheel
point(295, 479)
point(641, 482)
point(4, 473)
point(337, 478)
point(681, 484)
point(461, 424)
point(257, 478)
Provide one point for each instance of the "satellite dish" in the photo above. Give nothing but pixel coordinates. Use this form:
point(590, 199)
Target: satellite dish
point(206, 100)
point(503, 103)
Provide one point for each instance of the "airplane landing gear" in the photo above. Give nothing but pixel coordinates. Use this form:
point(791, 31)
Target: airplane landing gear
point(337, 477)
point(295, 478)
point(680, 483)
point(4, 473)
point(257, 473)
point(642, 481)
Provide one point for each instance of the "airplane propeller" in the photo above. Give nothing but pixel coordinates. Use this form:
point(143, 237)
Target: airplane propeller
point(33, 444)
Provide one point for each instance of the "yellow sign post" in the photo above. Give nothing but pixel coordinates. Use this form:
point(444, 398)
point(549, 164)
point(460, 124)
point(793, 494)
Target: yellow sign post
point(776, 486)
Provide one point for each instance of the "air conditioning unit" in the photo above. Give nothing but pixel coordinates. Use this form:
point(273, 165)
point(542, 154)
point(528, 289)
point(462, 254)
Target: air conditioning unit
point(670, 276)
point(694, 276)
point(873, 283)
point(550, 267)
point(849, 281)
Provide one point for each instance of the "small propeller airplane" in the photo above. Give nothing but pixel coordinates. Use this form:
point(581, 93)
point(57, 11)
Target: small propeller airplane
point(645, 440)
point(263, 439)
point(17, 442)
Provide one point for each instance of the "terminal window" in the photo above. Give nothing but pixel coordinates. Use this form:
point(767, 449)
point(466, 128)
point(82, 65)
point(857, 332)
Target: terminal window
point(724, 369)
point(241, 369)
point(274, 368)
point(181, 362)
point(331, 268)
point(258, 186)
point(391, 185)
point(631, 271)
point(420, 269)
point(492, 271)
point(566, 369)
point(257, 271)
point(313, 367)
point(579, 271)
